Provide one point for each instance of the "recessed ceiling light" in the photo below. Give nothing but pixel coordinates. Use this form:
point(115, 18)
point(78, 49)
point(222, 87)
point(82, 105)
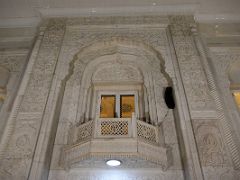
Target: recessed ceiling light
point(113, 162)
point(154, 4)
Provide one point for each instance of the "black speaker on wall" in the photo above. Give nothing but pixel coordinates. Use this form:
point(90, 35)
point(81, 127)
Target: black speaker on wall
point(168, 97)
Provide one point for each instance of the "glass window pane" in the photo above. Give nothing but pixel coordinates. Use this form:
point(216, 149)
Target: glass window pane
point(107, 108)
point(127, 106)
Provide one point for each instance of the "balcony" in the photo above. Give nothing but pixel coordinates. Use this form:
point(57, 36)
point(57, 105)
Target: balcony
point(119, 138)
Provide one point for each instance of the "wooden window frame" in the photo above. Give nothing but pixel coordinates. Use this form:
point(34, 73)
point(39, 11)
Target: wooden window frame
point(117, 95)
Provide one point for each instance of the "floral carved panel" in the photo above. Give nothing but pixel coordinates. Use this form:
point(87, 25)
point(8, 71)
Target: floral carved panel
point(210, 144)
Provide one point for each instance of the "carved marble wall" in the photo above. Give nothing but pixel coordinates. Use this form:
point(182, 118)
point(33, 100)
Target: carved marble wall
point(114, 49)
point(13, 61)
point(25, 119)
point(55, 90)
point(217, 138)
point(222, 58)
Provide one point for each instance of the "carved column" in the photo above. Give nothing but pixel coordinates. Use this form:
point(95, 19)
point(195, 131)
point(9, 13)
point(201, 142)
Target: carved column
point(29, 107)
point(223, 124)
point(187, 99)
point(206, 125)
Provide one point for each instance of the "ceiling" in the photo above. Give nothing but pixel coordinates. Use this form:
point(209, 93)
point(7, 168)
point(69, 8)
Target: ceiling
point(29, 12)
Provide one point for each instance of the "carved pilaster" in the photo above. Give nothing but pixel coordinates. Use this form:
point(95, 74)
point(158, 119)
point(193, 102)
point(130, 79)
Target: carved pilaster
point(195, 81)
point(24, 132)
point(187, 92)
point(202, 96)
point(222, 59)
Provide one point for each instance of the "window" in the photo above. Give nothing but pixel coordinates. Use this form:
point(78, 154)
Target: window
point(107, 108)
point(117, 105)
point(127, 106)
point(237, 98)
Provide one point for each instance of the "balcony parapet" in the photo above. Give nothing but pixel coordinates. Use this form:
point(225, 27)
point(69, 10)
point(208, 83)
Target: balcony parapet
point(116, 137)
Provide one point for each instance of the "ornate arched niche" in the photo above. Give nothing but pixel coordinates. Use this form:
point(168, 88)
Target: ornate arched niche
point(116, 69)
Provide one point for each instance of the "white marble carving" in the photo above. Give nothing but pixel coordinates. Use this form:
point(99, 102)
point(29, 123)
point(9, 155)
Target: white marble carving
point(57, 107)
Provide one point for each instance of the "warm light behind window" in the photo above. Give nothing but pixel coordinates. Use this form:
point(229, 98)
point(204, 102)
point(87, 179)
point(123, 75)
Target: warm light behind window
point(107, 109)
point(237, 98)
point(127, 106)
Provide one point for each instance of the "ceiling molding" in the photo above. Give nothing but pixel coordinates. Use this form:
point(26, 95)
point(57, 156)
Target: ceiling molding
point(224, 50)
point(19, 22)
point(120, 11)
point(174, 9)
point(217, 18)
point(14, 52)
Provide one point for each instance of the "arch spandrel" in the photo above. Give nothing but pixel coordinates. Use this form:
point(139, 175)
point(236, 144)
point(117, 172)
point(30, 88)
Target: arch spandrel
point(113, 73)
